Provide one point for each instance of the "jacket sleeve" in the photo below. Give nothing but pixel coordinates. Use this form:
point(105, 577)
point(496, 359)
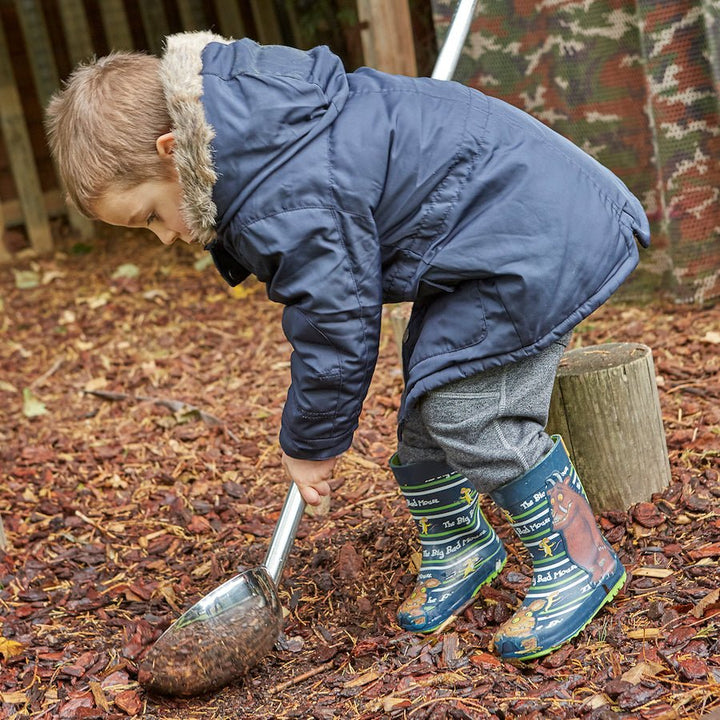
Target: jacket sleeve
point(324, 266)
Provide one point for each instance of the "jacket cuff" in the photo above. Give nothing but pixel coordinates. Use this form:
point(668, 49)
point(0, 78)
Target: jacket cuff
point(316, 449)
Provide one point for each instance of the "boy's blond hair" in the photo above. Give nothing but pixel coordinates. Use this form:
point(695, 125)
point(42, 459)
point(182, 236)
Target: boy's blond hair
point(103, 125)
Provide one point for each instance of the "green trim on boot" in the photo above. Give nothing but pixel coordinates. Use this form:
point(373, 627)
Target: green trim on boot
point(575, 571)
point(460, 550)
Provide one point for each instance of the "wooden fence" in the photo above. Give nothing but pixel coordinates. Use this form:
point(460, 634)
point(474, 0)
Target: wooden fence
point(42, 40)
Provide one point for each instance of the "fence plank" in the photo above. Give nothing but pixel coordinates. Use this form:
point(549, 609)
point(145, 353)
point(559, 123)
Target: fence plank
point(42, 61)
point(266, 21)
point(5, 256)
point(115, 24)
point(11, 212)
point(155, 24)
point(387, 36)
point(39, 48)
point(77, 30)
point(231, 23)
point(22, 161)
point(295, 29)
point(79, 43)
point(192, 14)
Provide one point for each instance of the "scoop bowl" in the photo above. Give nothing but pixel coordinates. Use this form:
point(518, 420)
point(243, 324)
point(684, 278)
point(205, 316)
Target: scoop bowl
point(218, 639)
point(229, 630)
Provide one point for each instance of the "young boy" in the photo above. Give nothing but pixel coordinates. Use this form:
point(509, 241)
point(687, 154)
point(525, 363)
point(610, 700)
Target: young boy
point(346, 191)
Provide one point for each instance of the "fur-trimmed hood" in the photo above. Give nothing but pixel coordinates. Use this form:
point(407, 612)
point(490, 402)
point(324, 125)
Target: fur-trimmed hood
point(239, 111)
point(181, 75)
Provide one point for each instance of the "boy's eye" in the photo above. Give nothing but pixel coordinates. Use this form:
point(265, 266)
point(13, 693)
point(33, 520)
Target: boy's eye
point(151, 218)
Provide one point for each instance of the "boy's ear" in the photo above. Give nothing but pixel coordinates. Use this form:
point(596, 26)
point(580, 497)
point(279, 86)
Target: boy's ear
point(165, 145)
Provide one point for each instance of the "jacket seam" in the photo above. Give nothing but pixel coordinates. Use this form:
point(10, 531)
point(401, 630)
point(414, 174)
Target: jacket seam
point(329, 153)
point(361, 315)
point(470, 159)
point(243, 225)
point(510, 317)
point(403, 91)
point(310, 414)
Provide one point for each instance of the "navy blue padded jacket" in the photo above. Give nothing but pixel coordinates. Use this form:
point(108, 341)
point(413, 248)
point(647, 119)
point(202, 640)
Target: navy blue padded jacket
point(343, 191)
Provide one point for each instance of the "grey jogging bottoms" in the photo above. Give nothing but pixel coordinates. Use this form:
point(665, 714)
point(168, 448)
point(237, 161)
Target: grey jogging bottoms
point(490, 426)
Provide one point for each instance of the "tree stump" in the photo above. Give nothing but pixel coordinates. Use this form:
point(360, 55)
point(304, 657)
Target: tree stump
point(398, 317)
point(606, 407)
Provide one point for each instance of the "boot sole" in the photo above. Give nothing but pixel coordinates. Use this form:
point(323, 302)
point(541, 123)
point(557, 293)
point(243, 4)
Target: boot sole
point(456, 614)
point(541, 653)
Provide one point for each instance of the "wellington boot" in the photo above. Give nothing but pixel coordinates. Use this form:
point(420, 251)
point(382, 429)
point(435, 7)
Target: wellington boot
point(575, 571)
point(460, 551)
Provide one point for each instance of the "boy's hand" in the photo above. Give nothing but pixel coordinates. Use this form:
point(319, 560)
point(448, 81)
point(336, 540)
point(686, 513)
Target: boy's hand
point(311, 476)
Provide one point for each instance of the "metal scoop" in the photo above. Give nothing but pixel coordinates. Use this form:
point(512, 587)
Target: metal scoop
point(229, 630)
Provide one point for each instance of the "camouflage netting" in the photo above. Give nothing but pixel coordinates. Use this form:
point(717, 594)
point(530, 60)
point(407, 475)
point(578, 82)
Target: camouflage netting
point(636, 83)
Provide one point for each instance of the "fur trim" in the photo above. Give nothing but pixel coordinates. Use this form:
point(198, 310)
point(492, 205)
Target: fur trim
point(180, 72)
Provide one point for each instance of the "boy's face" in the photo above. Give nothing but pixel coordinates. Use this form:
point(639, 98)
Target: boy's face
point(155, 204)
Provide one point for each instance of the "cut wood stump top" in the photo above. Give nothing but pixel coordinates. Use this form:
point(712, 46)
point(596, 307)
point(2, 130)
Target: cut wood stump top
point(601, 357)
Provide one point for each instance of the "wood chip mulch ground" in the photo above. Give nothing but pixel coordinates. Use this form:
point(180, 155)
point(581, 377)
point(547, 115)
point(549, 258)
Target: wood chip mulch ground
point(140, 400)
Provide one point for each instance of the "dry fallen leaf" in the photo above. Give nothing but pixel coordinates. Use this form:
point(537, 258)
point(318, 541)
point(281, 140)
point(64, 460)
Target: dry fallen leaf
point(596, 701)
point(26, 279)
point(652, 572)
point(363, 679)
point(642, 670)
point(644, 634)
point(32, 407)
point(712, 598)
point(126, 270)
point(98, 383)
point(10, 648)
point(393, 703)
point(99, 695)
point(16, 697)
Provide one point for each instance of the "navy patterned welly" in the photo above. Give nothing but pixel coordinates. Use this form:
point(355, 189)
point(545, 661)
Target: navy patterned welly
point(575, 571)
point(460, 551)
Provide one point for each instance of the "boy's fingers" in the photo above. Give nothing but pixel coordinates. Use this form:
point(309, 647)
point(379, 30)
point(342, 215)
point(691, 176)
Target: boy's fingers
point(313, 494)
point(309, 494)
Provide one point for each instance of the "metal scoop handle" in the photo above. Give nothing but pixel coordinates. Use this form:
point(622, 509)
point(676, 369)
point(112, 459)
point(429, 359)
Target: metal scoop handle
point(454, 40)
point(284, 534)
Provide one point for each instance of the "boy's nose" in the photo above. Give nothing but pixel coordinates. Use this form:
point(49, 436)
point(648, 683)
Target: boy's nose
point(167, 237)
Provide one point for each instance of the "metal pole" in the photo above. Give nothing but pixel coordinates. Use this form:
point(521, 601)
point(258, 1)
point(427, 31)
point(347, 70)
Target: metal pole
point(284, 535)
point(454, 40)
